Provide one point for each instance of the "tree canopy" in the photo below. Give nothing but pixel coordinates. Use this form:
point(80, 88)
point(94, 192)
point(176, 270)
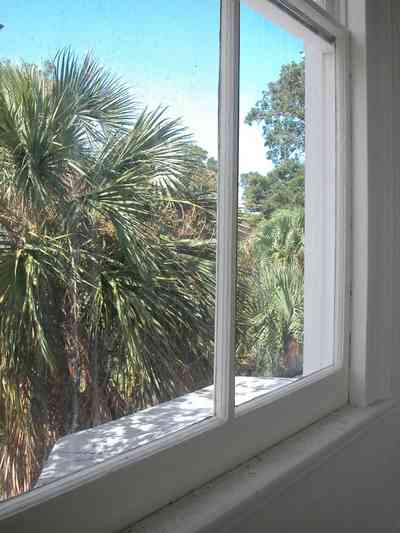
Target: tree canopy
point(283, 187)
point(280, 112)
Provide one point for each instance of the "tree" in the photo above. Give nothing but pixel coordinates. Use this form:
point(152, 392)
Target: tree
point(280, 111)
point(272, 297)
point(203, 177)
point(271, 258)
point(283, 187)
point(280, 239)
point(195, 217)
point(101, 311)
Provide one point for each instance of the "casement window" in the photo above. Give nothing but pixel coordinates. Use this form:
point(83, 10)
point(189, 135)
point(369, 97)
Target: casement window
point(240, 412)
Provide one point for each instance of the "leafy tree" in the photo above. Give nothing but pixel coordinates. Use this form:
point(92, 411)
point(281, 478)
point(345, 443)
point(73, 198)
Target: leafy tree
point(283, 187)
point(101, 312)
point(280, 111)
point(203, 177)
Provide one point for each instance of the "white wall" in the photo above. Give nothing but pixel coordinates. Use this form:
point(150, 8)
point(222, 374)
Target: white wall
point(356, 490)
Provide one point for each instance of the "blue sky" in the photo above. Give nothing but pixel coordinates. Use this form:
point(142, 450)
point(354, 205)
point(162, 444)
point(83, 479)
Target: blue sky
point(166, 50)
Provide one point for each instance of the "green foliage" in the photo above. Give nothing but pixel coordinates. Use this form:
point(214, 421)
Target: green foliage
point(271, 258)
point(278, 322)
point(203, 178)
point(283, 187)
point(107, 254)
point(104, 307)
point(280, 239)
point(271, 300)
point(280, 111)
point(195, 216)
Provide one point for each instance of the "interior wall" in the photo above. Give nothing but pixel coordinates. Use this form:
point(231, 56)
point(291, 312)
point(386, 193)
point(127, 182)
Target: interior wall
point(357, 490)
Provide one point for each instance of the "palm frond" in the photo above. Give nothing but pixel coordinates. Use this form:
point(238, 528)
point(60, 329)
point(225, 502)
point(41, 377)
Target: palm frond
point(93, 100)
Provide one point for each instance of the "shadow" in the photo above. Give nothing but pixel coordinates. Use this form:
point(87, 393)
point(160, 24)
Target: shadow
point(93, 446)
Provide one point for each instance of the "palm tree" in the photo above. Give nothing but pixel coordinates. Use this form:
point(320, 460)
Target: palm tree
point(277, 324)
point(103, 309)
point(280, 238)
point(271, 304)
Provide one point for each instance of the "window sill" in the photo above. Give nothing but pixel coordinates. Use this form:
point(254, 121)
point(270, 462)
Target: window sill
point(270, 472)
point(144, 480)
point(93, 446)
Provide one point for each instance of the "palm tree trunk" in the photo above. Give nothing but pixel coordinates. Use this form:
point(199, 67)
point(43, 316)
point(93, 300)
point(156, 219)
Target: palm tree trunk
point(71, 337)
point(95, 415)
point(95, 404)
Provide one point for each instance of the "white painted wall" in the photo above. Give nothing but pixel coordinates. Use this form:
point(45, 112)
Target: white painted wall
point(357, 490)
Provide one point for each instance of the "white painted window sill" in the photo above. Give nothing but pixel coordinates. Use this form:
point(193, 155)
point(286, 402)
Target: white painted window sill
point(219, 502)
point(94, 446)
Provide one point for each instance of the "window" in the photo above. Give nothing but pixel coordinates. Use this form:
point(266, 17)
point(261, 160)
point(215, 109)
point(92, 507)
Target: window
point(240, 409)
point(289, 259)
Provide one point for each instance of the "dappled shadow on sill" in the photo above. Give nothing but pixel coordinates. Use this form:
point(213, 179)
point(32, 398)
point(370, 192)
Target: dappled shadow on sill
point(93, 446)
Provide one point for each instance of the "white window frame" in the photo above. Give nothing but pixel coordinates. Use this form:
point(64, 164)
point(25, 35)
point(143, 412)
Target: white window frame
point(124, 489)
point(374, 371)
point(336, 8)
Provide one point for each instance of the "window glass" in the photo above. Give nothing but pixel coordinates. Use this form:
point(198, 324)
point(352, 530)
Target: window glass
point(108, 147)
point(286, 245)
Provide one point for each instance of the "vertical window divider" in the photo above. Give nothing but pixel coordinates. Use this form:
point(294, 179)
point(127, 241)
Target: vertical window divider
point(228, 162)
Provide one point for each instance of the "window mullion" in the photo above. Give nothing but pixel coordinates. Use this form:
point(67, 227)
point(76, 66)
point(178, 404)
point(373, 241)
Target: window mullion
point(227, 208)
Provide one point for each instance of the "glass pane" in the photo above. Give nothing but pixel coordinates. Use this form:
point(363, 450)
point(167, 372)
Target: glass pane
point(286, 146)
point(107, 229)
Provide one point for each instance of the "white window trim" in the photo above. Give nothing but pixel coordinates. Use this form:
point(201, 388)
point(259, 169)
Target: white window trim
point(230, 502)
point(336, 8)
point(123, 490)
point(373, 373)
